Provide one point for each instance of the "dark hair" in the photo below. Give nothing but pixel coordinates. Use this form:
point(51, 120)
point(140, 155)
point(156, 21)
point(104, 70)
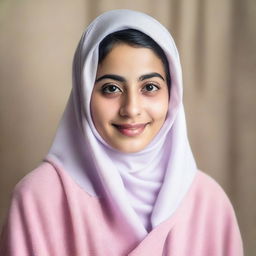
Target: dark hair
point(134, 38)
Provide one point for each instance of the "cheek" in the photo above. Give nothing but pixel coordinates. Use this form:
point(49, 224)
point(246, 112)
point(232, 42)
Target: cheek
point(102, 110)
point(96, 112)
point(158, 109)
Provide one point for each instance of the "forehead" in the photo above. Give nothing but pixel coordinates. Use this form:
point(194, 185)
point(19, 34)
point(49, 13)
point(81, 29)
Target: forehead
point(126, 57)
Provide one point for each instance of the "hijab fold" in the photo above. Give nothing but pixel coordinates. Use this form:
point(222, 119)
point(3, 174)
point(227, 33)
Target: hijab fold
point(145, 188)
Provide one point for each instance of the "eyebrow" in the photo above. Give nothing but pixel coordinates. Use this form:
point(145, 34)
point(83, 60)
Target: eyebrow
point(150, 75)
point(122, 79)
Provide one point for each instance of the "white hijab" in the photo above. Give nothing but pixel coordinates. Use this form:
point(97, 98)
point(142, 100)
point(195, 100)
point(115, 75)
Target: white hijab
point(145, 188)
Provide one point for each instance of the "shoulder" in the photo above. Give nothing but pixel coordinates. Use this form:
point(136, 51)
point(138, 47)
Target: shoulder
point(207, 192)
point(208, 184)
point(38, 182)
point(208, 215)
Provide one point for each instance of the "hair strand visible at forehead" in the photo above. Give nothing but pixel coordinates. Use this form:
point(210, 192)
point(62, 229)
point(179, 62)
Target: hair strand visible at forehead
point(134, 38)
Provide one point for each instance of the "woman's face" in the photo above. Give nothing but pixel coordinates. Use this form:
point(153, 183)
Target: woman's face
point(129, 101)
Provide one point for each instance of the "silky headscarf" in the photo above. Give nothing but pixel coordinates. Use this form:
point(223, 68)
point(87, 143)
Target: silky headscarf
point(142, 189)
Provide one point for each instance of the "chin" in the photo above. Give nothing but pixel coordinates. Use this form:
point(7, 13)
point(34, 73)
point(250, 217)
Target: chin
point(130, 148)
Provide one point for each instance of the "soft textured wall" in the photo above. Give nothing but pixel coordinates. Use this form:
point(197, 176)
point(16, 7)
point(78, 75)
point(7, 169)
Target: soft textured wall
point(216, 40)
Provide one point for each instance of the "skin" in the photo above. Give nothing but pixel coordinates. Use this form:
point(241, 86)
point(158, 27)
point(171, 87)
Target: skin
point(129, 102)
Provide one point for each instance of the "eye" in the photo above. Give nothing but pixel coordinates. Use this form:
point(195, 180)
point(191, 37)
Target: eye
point(150, 87)
point(110, 88)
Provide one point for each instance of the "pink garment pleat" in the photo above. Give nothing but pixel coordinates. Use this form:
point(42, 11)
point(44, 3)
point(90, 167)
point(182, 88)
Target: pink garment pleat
point(51, 215)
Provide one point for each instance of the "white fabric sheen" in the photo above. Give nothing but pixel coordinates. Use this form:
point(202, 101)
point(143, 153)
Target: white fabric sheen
point(142, 175)
point(154, 180)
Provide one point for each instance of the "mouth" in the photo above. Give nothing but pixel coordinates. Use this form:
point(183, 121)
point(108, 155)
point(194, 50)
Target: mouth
point(131, 130)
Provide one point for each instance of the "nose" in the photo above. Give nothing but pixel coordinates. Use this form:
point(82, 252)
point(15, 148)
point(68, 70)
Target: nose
point(131, 105)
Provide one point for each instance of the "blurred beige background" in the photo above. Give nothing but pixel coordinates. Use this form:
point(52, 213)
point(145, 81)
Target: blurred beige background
point(216, 40)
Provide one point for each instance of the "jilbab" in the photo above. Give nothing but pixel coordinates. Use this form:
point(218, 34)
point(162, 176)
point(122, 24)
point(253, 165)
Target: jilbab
point(89, 198)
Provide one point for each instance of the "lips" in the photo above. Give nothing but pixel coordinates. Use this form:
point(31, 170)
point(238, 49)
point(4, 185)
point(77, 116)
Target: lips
point(130, 130)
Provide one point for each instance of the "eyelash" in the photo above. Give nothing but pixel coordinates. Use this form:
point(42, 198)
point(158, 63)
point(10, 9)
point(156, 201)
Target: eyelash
point(156, 87)
point(106, 87)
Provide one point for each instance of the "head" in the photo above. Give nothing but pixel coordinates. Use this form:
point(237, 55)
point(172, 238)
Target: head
point(130, 98)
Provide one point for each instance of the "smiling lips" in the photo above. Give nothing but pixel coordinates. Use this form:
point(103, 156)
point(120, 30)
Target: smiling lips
point(130, 129)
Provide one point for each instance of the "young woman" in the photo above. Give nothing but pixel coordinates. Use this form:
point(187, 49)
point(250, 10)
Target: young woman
point(120, 178)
